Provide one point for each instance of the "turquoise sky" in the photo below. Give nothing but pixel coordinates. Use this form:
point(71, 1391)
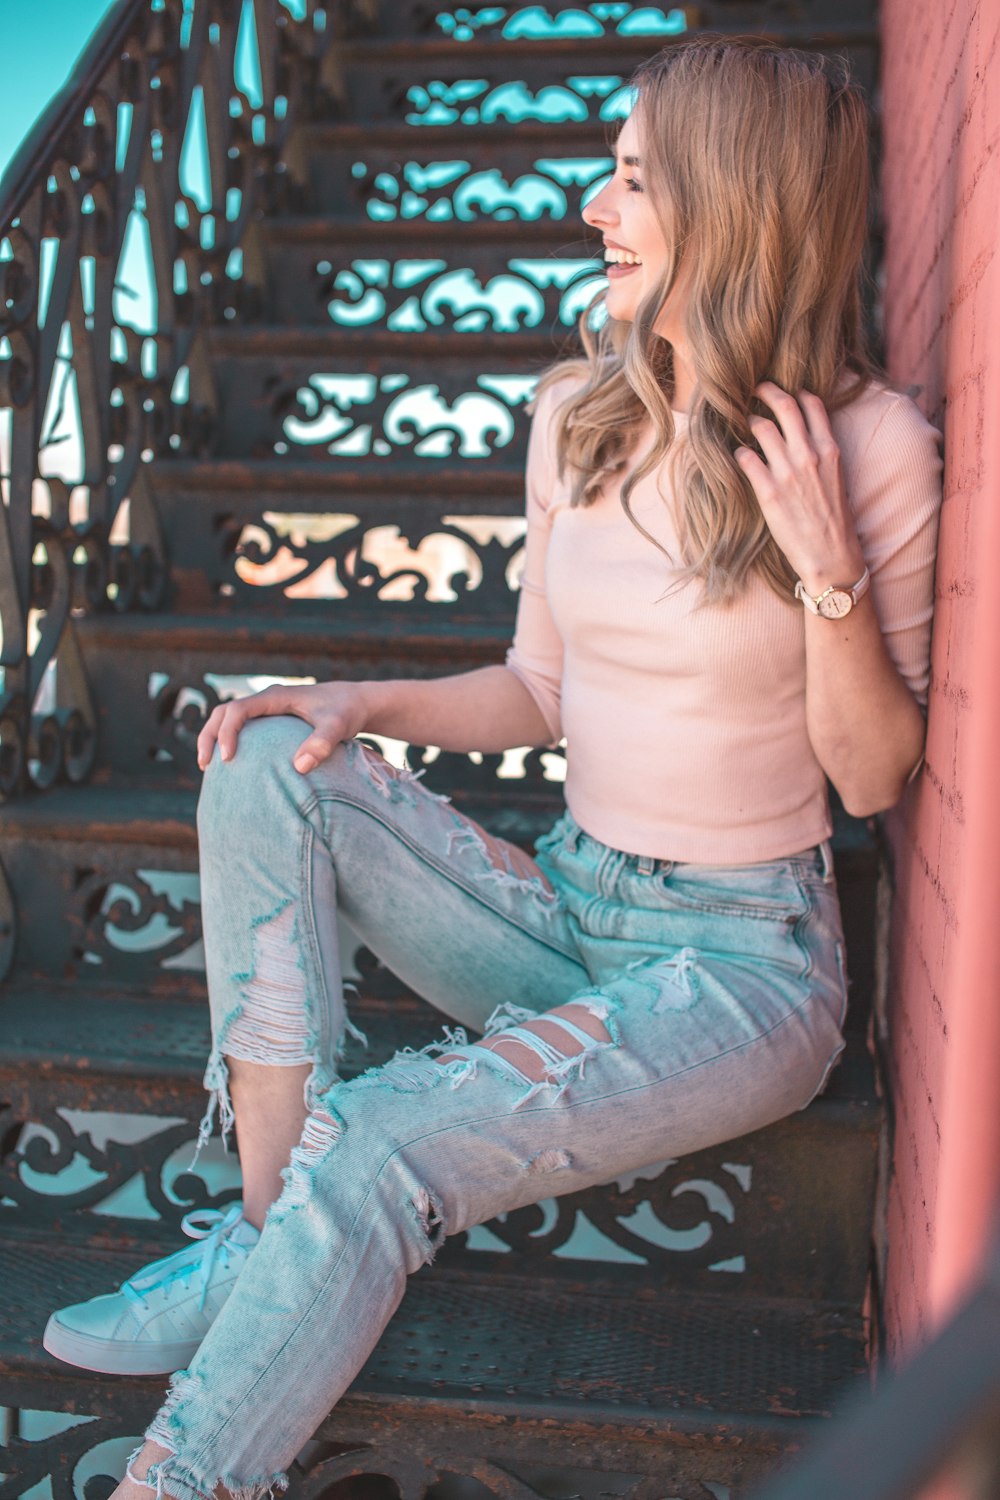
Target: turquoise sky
point(40, 41)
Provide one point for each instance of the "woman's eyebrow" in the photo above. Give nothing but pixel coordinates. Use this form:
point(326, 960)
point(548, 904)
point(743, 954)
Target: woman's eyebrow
point(628, 161)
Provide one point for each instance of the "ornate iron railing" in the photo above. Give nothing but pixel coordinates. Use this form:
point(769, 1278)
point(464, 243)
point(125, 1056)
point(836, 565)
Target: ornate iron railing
point(126, 224)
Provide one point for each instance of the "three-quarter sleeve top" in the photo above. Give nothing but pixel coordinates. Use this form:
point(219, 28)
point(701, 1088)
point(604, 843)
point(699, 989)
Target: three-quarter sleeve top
point(685, 727)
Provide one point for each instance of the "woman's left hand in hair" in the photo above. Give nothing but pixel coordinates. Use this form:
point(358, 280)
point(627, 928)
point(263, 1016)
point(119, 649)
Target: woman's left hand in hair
point(800, 488)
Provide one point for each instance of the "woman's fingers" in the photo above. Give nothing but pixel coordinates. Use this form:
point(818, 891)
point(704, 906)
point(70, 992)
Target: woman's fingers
point(787, 441)
point(757, 472)
point(223, 725)
point(327, 708)
point(319, 746)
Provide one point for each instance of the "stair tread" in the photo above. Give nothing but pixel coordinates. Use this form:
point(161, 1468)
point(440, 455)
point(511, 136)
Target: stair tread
point(549, 135)
point(273, 341)
point(134, 813)
point(432, 478)
point(508, 1342)
point(107, 1035)
point(422, 629)
point(322, 226)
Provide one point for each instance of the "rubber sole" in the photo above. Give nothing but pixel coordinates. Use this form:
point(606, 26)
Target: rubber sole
point(109, 1357)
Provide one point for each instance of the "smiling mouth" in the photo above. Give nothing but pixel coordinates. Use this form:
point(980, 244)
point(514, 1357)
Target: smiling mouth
point(621, 258)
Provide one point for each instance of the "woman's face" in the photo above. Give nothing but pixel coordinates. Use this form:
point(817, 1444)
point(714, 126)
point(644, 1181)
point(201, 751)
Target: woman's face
point(636, 248)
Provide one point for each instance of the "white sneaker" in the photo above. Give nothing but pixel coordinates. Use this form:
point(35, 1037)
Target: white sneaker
point(155, 1321)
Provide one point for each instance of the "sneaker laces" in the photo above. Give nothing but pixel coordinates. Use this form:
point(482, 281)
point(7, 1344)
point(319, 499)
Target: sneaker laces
point(210, 1225)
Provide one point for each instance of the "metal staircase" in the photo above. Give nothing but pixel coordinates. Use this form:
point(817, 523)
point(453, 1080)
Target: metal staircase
point(275, 284)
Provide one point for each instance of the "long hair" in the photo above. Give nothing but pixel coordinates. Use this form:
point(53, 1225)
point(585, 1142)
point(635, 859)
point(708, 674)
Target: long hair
point(756, 160)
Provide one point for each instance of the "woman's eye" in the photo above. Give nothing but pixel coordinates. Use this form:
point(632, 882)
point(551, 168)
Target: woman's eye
point(632, 185)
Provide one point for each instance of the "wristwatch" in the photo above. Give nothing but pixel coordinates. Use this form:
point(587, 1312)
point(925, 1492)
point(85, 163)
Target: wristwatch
point(836, 601)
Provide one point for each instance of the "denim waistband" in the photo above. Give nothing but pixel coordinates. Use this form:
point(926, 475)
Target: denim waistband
point(817, 860)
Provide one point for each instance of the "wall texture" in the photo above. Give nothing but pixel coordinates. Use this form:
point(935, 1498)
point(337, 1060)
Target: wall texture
point(941, 195)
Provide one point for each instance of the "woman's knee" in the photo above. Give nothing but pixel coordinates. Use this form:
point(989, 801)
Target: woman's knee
point(261, 768)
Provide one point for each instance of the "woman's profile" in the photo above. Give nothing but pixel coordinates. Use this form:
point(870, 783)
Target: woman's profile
point(726, 603)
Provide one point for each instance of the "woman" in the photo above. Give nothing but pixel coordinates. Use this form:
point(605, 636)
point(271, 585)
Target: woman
point(726, 599)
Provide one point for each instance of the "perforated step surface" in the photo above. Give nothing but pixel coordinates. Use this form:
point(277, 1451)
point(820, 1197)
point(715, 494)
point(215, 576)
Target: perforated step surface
point(503, 1341)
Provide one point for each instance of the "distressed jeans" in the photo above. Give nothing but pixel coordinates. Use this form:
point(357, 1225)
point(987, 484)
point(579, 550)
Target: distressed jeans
point(719, 993)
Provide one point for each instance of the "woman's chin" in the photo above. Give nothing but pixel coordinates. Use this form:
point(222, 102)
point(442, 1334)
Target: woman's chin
point(622, 310)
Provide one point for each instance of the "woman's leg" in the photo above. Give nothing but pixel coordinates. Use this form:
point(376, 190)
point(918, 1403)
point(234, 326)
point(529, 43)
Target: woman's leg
point(428, 890)
point(689, 1043)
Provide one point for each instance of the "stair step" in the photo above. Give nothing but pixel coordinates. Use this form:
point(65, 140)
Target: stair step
point(149, 1040)
point(309, 393)
point(159, 679)
point(499, 1368)
point(516, 175)
point(485, 88)
point(344, 539)
point(423, 86)
point(94, 872)
point(464, 284)
point(780, 1212)
point(91, 867)
point(513, 29)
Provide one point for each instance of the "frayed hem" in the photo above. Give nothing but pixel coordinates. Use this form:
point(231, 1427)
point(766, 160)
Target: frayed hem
point(216, 1081)
point(167, 1481)
point(168, 1478)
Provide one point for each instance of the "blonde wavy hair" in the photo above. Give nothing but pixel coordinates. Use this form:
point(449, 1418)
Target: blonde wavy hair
point(756, 159)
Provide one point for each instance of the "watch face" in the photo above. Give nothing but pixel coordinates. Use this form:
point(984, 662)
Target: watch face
point(836, 604)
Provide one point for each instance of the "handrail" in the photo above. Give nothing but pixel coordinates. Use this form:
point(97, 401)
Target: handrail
point(21, 172)
point(941, 1408)
point(89, 394)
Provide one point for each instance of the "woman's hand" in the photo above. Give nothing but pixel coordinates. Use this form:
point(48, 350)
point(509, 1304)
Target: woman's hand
point(863, 722)
point(336, 710)
point(800, 489)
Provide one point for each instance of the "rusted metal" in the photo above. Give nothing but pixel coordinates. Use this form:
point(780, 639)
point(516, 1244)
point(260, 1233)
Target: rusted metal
point(942, 1408)
point(490, 1370)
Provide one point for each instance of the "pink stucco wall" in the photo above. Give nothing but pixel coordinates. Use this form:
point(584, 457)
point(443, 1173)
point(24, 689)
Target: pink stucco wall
point(941, 195)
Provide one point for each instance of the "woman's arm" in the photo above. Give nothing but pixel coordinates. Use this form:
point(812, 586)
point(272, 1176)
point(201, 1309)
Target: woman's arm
point(489, 709)
point(865, 725)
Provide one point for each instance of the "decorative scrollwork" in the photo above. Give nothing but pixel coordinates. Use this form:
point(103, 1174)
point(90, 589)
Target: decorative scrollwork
point(474, 101)
point(132, 921)
point(72, 1161)
point(676, 1212)
point(458, 415)
point(328, 557)
point(441, 191)
point(136, 228)
point(413, 296)
point(538, 23)
point(78, 1457)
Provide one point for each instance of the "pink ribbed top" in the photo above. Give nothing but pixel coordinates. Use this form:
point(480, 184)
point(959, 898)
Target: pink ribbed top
point(686, 728)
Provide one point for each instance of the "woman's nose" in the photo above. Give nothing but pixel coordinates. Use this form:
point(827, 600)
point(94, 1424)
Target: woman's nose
point(600, 209)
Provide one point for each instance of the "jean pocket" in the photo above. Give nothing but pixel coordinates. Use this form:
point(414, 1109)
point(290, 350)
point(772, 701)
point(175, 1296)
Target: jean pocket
point(760, 893)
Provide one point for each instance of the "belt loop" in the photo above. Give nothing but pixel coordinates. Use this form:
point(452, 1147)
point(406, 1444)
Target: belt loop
point(571, 834)
point(827, 856)
point(646, 865)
